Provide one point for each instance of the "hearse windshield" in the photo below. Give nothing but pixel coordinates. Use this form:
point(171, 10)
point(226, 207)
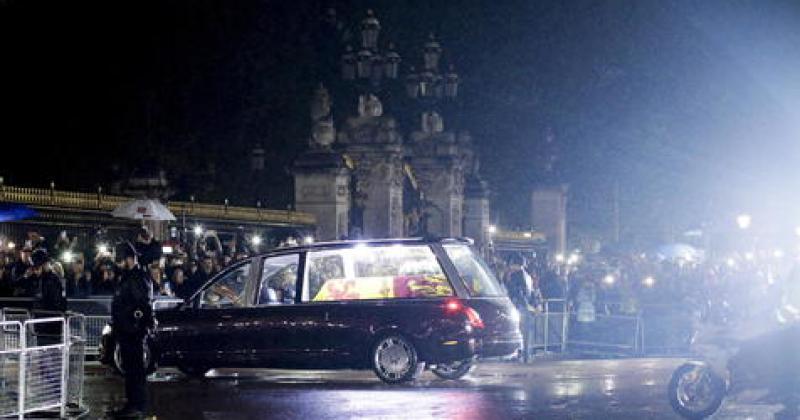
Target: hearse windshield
point(477, 276)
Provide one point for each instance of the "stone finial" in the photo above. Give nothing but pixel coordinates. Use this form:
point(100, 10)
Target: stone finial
point(369, 106)
point(320, 104)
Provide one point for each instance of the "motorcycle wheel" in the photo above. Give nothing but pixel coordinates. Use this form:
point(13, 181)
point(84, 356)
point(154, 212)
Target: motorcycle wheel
point(454, 370)
point(695, 391)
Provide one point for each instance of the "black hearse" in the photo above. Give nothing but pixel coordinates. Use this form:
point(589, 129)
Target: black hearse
point(393, 306)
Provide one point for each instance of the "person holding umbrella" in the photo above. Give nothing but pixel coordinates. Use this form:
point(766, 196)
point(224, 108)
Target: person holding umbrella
point(148, 249)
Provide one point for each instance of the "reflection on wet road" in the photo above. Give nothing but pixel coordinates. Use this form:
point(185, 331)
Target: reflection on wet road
point(621, 389)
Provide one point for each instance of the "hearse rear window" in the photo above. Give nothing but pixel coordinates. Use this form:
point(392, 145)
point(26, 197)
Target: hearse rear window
point(374, 272)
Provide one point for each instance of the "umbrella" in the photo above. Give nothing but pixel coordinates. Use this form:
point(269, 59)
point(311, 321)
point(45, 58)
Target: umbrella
point(10, 212)
point(143, 210)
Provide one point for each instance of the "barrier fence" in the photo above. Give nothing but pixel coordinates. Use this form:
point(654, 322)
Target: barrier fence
point(41, 362)
point(611, 330)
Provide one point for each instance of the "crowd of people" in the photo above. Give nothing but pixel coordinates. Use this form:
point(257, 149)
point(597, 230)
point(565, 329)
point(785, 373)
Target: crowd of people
point(668, 294)
point(627, 284)
point(176, 268)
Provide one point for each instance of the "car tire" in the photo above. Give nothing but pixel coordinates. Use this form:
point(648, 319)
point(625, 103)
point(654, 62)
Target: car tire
point(454, 370)
point(678, 399)
point(194, 372)
point(394, 359)
point(149, 361)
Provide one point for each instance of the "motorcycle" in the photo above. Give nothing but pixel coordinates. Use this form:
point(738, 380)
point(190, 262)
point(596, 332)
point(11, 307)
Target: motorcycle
point(759, 355)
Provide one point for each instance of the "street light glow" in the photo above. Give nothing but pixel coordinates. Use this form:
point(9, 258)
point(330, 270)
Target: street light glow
point(749, 256)
point(67, 256)
point(11, 245)
point(744, 221)
point(778, 253)
point(649, 281)
point(308, 239)
point(797, 230)
point(609, 279)
point(560, 258)
point(492, 229)
point(102, 249)
point(573, 259)
point(256, 240)
point(198, 230)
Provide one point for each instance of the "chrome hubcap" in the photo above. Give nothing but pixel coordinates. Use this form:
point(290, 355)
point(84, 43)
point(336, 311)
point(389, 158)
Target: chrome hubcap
point(393, 357)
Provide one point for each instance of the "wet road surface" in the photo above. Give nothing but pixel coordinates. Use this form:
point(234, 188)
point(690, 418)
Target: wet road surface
point(589, 389)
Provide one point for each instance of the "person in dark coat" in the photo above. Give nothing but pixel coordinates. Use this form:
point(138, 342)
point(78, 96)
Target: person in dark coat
point(180, 287)
point(519, 285)
point(79, 279)
point(132, 319)
point(204, 273)
point(147, 247)
point(19, 272)
point(6, 289)
point(51, 289)
point(49, 293)
point(104, 281)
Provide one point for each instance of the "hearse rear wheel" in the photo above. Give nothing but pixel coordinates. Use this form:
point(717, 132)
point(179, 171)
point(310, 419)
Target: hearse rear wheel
point(394, 360)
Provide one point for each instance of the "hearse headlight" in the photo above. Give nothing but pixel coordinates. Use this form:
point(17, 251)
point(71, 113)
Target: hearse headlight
point(513, 315)
point(106, 330)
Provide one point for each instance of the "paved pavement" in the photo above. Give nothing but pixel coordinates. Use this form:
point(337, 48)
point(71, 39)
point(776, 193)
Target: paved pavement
point(590, 389)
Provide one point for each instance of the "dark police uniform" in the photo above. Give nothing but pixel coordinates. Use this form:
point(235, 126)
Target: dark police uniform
point(132, 318)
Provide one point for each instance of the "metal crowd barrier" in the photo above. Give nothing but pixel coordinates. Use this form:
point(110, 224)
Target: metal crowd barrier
point(548, 329)
point(614, 331)
point(42, 365)
point(607, 334)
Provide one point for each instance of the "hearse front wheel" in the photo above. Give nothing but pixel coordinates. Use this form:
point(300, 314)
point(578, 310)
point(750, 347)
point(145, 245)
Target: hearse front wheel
point(394, 360)
point(454, 370)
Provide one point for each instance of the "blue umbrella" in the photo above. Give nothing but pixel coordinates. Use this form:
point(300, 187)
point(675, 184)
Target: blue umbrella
point(10, 212)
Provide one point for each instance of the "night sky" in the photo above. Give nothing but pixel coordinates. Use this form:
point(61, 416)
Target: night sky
point(692, 108)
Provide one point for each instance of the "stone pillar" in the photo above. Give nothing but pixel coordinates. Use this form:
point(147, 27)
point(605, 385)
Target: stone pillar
point(379, 183)
point(438, 166)
point(372, 143)
point(549, 215)
point(322, 188)
point(476, 211)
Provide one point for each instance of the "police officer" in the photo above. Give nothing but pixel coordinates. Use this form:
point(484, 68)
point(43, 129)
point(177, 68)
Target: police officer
point(132, 318)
